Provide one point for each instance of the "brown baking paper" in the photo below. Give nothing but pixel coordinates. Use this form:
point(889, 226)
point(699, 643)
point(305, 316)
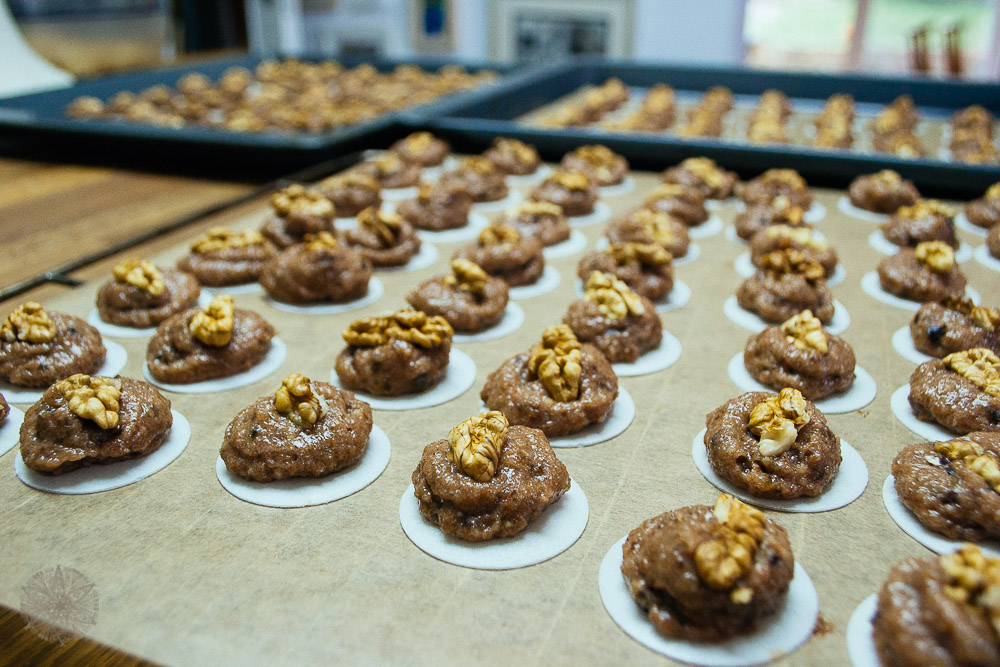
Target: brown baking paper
point(185, 573)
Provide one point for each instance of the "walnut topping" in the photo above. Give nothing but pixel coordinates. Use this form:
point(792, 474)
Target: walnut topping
point(975, 580)
point(521, 151)
point(978, 365)
point(613, 297)
point(787, 212)
point(888, 177)
point(557, 362)
point(723, 559)
point(571, 179)
point(321, 241)
point(802, 235)
point(937, 256)
point(596, 155)
point(351, 179)
point(993, 192)
point(499, 235)
point(666, 191)
point(646, 254)
point(987, 318)
point(213, 325)
point(223, 238)
point(973, 455)
point(467, 276)
point(419, 141)
point(142, 274)
point(788, 177)
point(476, 444)
point(385, 225)
point(411, 326)
point(388, 164)
point(537, 208)
point(705, 169)
point(295, 199)
point(93, 398)
point(477, 164)
point(29, 323)
point(804, 331)
point(777, 421)
point(925, 208)
point(657, 224)
point(790, 260)
point(296, 400)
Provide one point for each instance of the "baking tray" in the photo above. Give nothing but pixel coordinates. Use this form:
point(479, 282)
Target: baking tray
point(497, 112)
point(38, 120)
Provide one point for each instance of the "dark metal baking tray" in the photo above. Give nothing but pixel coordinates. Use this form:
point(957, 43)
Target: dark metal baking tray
point(475, 121)
point(37, 120)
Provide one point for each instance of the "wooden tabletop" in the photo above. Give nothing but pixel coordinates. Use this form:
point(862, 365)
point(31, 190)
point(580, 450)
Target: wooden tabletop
point(53, 214)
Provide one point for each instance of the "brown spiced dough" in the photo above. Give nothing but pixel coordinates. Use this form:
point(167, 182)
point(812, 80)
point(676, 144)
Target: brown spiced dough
point(983, 212)
point(776, 363)
point(381, 254)
point(529, 479)
point(548, 227)
point(688, 206)
point(424, 153)
point(762, 243)
point(437, 208)
point(629, 229)
point(775, 298)
point(513, 157)
point(519, 263)
point(652, 282)
point(527, 402)
point(229, 266)
point(175, 356)
point(939, 330)
point(807, 469)
point(395, 368)
point(351, 195)
point(399, 174)
point(129, 306)
point(993, 241)
point(948, 497)
point(326, 275)
point(659, 569)
point(908, 232)
point(574, 203)
point(940, 395)
point(56, 441)
point(612, 173)
point(286, 231)
point(682, 176)
point(621, 341)
point(759, 216)
point(871, 193)
point(917, 624)
point(4, 410)
point(482, 186)
point(765, 188)
point(466, 312)
point(905, 276)
point(76, 347)
point(264, 445)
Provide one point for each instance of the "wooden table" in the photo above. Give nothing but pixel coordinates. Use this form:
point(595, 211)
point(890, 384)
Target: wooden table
point(54, 214)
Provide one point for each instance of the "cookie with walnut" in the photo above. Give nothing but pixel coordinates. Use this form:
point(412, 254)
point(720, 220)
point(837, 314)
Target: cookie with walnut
point(928, 272)
point(223, 257)
point(704, 175)
point(645, 267)
point(421, 148)
point(926, 220)
point(645, 226)
point(502, 251)
point(954, 325)
point(297, 212)
point(383, 238)
point(351, 192)
point(882, 192)
point(619, 322)
point(604, 165)
point(142, 295)
point(960, 392)
point(39, 347)
point(574, 191)
point(469, 298)
point(513, 157)
point(482, 179)
point(787, 283)
point(321, 270)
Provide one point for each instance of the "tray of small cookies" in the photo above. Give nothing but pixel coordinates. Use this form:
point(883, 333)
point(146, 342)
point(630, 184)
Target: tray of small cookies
point(830, 127)
point(652, 414)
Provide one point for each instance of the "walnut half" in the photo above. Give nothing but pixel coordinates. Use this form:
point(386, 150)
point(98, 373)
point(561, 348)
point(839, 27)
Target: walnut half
point(476, 444)
point(642, 254)
point(613, 297)
point(937, 256)
point(804, 331)
point(973, 455)
point(296, 400)
point(385, 225)
point(499, 235)
point(296, 199)
point(571, 179)
point(723, 559)
point(705, 169)
point(140, 273)
point(777, 421)
point(29, 323)
point(978, 365)
point(656, 224)
point(557, 362)
point(467, 276)
point(213, 325)
point(987, 318)
point(974, 580)
point(223, 238)
point(94, 398)
point(411, 326)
